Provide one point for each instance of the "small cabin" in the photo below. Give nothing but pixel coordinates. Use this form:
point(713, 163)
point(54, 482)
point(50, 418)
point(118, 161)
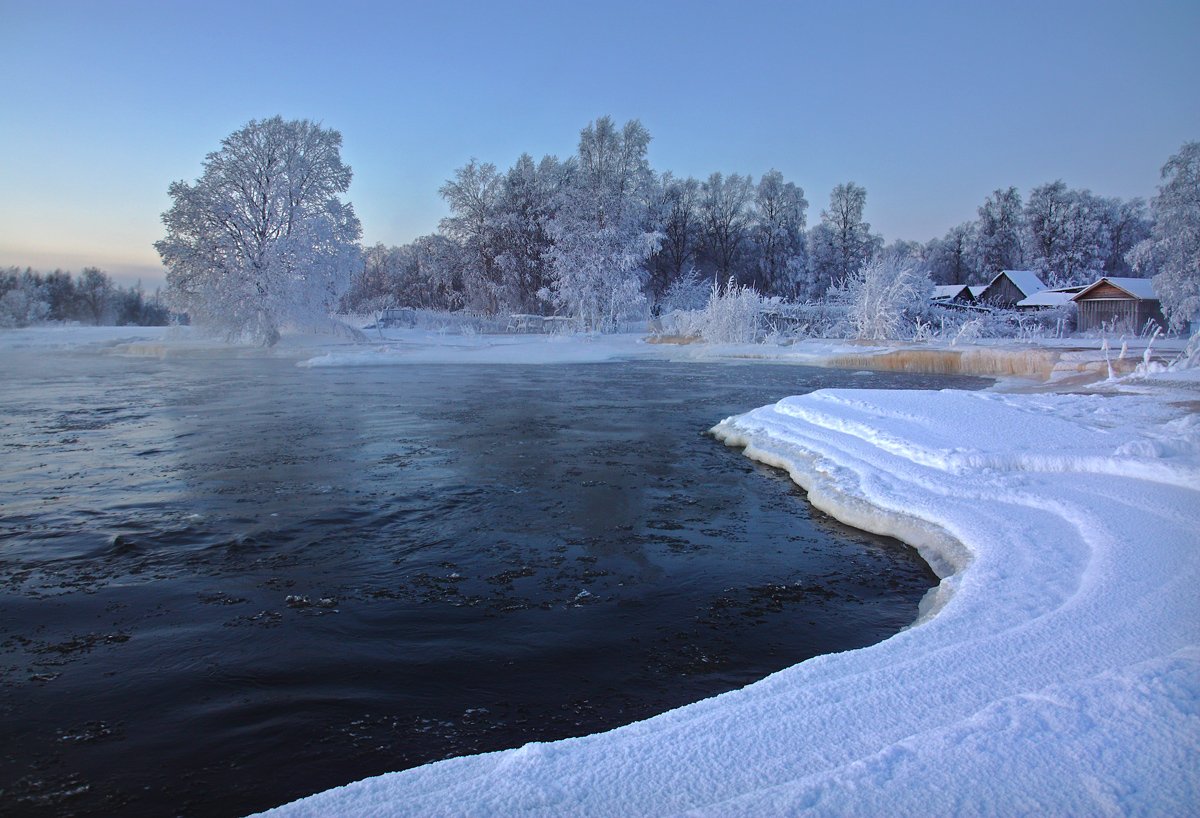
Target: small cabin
point(952, 295)
point(1010, 287)
point(1126, 304)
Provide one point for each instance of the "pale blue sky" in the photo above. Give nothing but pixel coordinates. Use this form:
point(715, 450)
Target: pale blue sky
point(929, 105)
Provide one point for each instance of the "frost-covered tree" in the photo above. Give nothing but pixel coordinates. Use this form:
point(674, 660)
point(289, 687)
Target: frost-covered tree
point(601, 240)
point(473, 196)
point(885, 296)
point(262, 238)
point(61, 295)
point(1128, 223)
point(1069, 235)
point(674, 214)
point(528, 201)
point(1172, 252)
point(840, 245)
point(778, 233)
point(23, 298)
point(950, 258)
point(725, 219)
point(94, 293)
point(999, 234)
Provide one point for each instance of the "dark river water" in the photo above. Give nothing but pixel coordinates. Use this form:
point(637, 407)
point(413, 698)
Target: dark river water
point(228, 584)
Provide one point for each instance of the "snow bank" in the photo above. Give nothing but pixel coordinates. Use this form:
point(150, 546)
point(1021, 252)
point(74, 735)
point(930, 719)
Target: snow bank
point(1060, 674)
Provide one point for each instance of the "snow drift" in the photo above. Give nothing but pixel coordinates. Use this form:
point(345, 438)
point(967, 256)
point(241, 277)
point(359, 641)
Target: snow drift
point(1056, 669)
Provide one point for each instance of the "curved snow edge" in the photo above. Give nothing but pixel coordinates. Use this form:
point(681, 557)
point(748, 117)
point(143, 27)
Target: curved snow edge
point(945, 554)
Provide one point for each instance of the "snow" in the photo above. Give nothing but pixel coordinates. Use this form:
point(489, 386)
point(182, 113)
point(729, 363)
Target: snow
point(1055, 670)
point(1048, 298)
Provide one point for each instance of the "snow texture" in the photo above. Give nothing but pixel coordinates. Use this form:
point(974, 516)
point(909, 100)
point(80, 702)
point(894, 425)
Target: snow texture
point(1055, 670)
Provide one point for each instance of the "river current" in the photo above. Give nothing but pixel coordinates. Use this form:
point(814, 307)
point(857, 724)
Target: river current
point(226, 584)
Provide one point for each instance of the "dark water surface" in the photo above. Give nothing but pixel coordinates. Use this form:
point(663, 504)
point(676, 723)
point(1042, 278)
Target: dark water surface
point(227, 584)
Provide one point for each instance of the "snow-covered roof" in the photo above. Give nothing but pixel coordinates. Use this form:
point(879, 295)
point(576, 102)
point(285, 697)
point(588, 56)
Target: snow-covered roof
point(1047, 298)
point(977, 289)
point(946, 292)
point(1024, 280)
point(1136, 287)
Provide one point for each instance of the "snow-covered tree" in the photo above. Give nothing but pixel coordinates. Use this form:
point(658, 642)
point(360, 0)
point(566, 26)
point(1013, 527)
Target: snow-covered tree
point(885, 296)
point(1172, 253)
point(61, 295)
point(840, 245)
point(262, 238)
point(674, 213)
point(473, 196)
point(778, 233)
point(23, 298)
point(528, 201)
point(94, 293)
point(601, 241)
point(999, 234)
point(1069, 234)
point(1128, 223)
point(725, 218)
point(950, 258)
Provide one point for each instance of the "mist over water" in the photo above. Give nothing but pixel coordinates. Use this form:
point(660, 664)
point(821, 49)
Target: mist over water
point(227, 584)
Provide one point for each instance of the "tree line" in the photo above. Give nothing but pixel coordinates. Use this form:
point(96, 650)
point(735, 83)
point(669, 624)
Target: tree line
point(528, 239)
point(29, 297)
point(264, 238)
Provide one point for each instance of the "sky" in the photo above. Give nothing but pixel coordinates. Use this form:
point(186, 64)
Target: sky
point(928, 105)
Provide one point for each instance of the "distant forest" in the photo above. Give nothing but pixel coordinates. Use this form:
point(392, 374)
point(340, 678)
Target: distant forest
point(29, 297)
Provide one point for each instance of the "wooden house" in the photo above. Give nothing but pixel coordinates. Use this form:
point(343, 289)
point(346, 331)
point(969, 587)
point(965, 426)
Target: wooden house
point(952, 295)
point(1010, 287)
point(1125, 304)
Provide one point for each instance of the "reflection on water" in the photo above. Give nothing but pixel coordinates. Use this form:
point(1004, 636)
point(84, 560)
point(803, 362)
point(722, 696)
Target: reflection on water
point(224, 585)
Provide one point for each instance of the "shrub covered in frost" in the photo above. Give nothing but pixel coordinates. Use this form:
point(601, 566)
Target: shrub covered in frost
point(885, 297)
point(733, 315)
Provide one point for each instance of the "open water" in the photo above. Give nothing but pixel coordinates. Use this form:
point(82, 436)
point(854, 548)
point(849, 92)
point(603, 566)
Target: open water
point(228, 584)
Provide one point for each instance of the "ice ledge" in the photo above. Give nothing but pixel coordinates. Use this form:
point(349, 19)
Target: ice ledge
point(945, 555)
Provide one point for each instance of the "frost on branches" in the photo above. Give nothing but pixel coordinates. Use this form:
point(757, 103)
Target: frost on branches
point(262, 239)
point(600, 242)
point(1173, 249)
point(885, 296)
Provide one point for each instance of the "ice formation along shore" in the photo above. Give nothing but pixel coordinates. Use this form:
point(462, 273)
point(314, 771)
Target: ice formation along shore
point(1055, 671)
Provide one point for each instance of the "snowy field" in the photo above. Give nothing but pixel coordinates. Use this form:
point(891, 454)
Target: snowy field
point(1056, 669)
